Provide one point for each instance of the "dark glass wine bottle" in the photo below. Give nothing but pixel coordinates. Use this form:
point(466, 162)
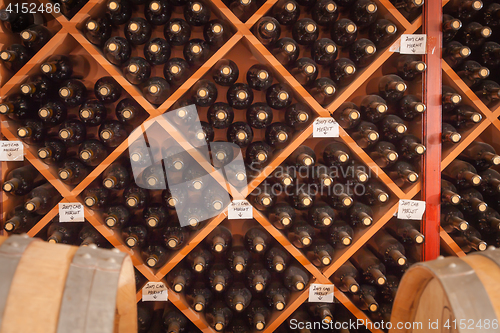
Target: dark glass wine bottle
point(119, 11)
point(325, 12)
point(363, 13)
point(20, 220)
point(344, 32)
point(157, 51)
point(365, 134)
point(117, 50)
point(295, 279)
point(157, 12)
point(305, 31)
point(286, 12)
point(38, 88)
point(267, 30)
point(177, 32)
point(239, 96)
point(98, 30)
point(286, 50)
point(72, 132)
point(474, 35)
point(52, 113)
point(156, 90)
point(92, 152)
point(35, 37)
point(259, 115)
point(15, 57)
point(52, 152)
point(73, 93)
point(112, 133)
point(138, 31)
point(462, 174)
point(93, 112)
point(216, 33)
point(96, 197)
point(384, 154)
point(454, 53)
point(471, 72)
point(279, 96)
point(197, 13)
point(137, 70)
point(383, 32)
point(258, 154)
point(42, 199)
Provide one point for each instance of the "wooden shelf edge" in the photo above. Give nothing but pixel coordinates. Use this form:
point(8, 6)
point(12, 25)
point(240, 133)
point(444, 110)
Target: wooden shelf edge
point(260, 13)
point(448, 243)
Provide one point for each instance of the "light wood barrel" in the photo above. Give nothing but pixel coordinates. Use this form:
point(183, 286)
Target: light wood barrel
point(55, 288)
point(450, 295)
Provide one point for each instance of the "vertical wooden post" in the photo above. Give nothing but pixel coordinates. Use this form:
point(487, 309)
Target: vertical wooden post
point(431, 190)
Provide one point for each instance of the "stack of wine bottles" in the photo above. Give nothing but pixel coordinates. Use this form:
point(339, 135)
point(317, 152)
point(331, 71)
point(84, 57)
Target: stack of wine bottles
point(371, 276)
point(57, 115)
point(138, 50)
point(272, 117)
point(74, 233)
point(471, 45)
point(411, 9)
point(231, 276)
point(286, 31)
point(33, 35)
point(470, 193)
point(319, 205)
point(37, 197)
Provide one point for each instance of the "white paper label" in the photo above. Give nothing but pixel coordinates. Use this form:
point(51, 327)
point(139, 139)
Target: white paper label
point(413, 44)
point(325, 127)
point(395, 46)
point(71, 212)
point(411, 209)
point(240, 210)
point(11, 151)
point(321, 293)
point(155, 291)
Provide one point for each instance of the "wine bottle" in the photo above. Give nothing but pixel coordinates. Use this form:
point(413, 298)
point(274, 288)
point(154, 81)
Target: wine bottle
point(98, 30)
point(452, 219)
point(259, 115)
point(240, 133)
point(219, 316)
point(406, 232)
point(175, 158)
point(409, 67)
point(259, 77)
point(177, 32)
point(279, 96)
point(258, 154)
point(277, 259)
point(92, 152)
point(282, 215)
point(286, 12)
point(410, 147)
point(138, 31)
point(325, 13)
point(392, 128)
point(16, 22)
point(469, 240)
point(219, 240)
point(286, 50)
point(451, 26)
point(196, 52)
point(346, 278)
point(179, 278)
point(52, 152)
point(465, 10)
point(321, 215)
point(363, 13)
point(340, 234)
point(490, 185)
point(344, 32)
point(197, 13)
point(359, 215)
point(157, 12)
point(305, 31)
point(93, 112)
point(243, 9)
point(362, 52)
point(365, 134)
point(449, 194)
point(96, 197)
point(369, 266)
point(303, 156)
point(384, 154)
point(342, 72)
point(450, 99)
point(15, 57)
point(216, 33)
point(490, 55)
point(391, 88)
point(403, 173)
point(18, 107)
point(450, 134)
point(119, 11)
point(116, 216)
point(462, 174)
point(173, 320)
point(35, 37)
point(72, 132)
point(21, 181)
point(117, 50)
point(72, 171)
point(463, 117)
point(156, 90)
point(32, 132)
point(59, 68)
point(257, 240)
point(301, 234)
point(472, 201)
point(474, 35)
point(128, 111)
point(240, 96)
point(374, 194)
point(383, 33)
point(38, 88)
point(112, 133)
point(471, 72)
point(107, 90)
point(176, 71)
point(116, 176)
point(322, 311)
point(373, 107)
point(137, 70)
point(488, 222)
point(42, 199)
point(258, 315)
point(267, 30)
point(410, 107)
point(347, 115)
point(488, 92)
point(301, 199)
point(156, 52)
point(222, 154)
point(199, 296)
point(480, 155)
point(219, 277)
point(200, 259)
point(295, 279)
point(238, 259)
point(154, 256)
point(73, 93)
point(155, 215)
point(20, 220)
point(215, 200)
point(305, 71)
point(225, 72)
point(134, 235)
point(455, 53)
point(88, 236)
point(323, 90)
point(205, 93)
point(320, 253)
point(258, 277)
point(63, 233)
point(365, 300)
point(355, 173)
point(277, 296)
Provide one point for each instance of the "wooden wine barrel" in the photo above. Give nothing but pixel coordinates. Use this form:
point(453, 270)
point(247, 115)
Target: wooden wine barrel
point(55, 288)
point(450, 295)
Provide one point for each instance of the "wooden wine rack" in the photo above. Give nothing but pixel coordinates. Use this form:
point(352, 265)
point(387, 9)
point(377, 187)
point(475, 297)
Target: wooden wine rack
point(69, 40)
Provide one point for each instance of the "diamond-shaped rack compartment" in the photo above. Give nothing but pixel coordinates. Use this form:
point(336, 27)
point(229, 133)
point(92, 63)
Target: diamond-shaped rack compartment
point(138, 50)
point(65, 44)
point(8, 77)
point(343, 52)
